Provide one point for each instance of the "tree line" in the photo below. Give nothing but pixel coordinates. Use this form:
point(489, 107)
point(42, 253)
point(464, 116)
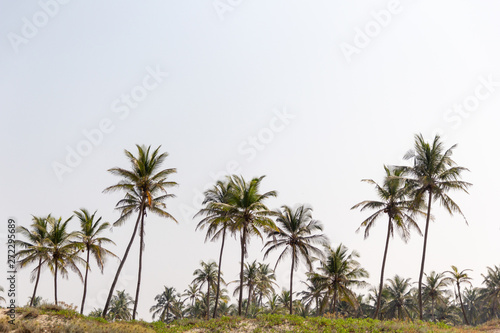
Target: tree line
point(237, 207)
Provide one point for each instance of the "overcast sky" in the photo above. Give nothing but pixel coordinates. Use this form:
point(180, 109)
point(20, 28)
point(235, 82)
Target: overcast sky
point(316, 95)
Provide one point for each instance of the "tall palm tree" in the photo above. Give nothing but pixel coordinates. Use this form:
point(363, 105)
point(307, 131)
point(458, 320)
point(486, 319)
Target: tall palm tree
point(120, 306)
point(399, 298)
point(34, 249)
point(207, 274)
point(62, 250)
point(433, 290)
point(339, 272)
point(165, 304)
point(459, 278)
point(89, 237)
point(433, 174)
point(249, 214)
point(145, 186)
point(218, 221)
point(296, 234)
point(395, 204)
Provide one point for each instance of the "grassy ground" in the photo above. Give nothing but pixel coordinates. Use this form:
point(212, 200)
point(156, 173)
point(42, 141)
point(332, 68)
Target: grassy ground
point(57, 320)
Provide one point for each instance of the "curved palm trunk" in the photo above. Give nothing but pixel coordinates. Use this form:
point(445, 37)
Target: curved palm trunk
point(218, 274)
point(379, 298)
point(291, 281)
point(122, 262)
point(85, 283)
point(462, 304)
point(55, 282)
point(420, 308)
point(141, 246)
point(36, 283)
point(243, 242)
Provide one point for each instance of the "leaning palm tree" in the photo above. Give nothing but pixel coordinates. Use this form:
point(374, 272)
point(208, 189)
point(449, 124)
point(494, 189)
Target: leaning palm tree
point(338, 273)
point(218, 222)
point(395, 204)
point(399, 302)
point(249, 214)
point(297, 235)
point(89, 237)
point(433, 290)
point(62, 250)
point(433, 174)
point(145, 186)
point(207, 274)
point(34, 249)
point(459, 278)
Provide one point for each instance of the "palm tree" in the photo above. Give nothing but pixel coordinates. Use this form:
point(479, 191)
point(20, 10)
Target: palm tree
point(165, 304)
point(399, 209)
point(192, 293)
point(250, 277)
point(249, 214)
point(433, 174)
point(458, 278)
point(89, 235)
point(34, 249)
point(433, 290)
point(120, 306)
point(313, 292)
point(62, 250)
point(339, 272)
point(265, 282)
point(207, 274)
point(217, 221)
point(146, 189)
point(491, 292)
point(399, 298)
point(296, 235)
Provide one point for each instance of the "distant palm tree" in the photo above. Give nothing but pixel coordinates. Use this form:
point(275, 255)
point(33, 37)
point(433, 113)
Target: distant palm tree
point(120, 306)
point(395, 204)
point(458, 278)
point(145, 187)
point(249, 214)
point(314, 292)
point(265, 282)
point(433, 290)
point(399, 298)
point(34, 249)
point(285, 299)
point(491, 292)
point(207, 274)
point(250, 280)
point(165, 305)
point(89, 237)
point(217, 221)
point(273, 303)
point(62, 250)
point(192, 293)
point(433, 174)
point(36, 302)
point(297, 234)
point(338, 273)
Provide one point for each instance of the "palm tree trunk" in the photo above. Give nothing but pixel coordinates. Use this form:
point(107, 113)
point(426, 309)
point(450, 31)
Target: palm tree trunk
point(334, 301)
point(55, 282)
point(420, 307)
point(291, 281)
point(433, 307)
point(379, 298)
point(243, 241)
point(141, 246)
point(462, 304)
point(218, 273)
point(208, 299)
point(248, 299)
point(36, 283)
point(122, 262)
point(85, 283)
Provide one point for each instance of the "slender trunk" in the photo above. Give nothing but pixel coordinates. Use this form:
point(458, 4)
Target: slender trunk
point(420, 307)
point(462, 304)
point(291, 280)
point(334, 300)
point(168, 313)
point(208, 300)
point(248, 299)
point(218, 274)
point(141, 246)
point(36, 283)
point(317, 306)
point(55, 282)
point(379, 298)
point(122, 262)
point(433, 312)
point(85, 282)
point(243, 241)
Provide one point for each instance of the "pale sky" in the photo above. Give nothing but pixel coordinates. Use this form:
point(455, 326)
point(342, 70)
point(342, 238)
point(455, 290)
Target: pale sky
point(314, 95)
